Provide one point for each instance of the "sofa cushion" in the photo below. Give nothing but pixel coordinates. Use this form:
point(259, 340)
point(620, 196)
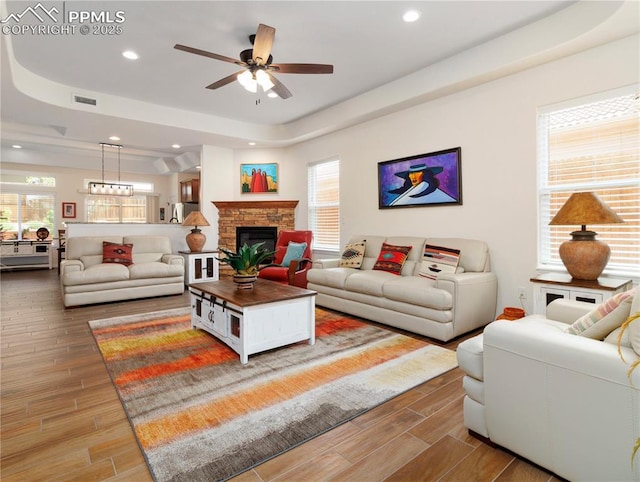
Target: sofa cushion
point(352, 255)
point(417, 291)
point(154, 269)
point(438, 259)
point(332, 277)
point(368, 282)
point(88, 249)
point(605, 318)
point(391, 258)
point(294, 251)
point(275, 273)
point(117, 253)
point(97, 273)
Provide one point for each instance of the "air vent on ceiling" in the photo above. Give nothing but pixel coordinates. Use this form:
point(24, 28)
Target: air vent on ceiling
point(79, 99)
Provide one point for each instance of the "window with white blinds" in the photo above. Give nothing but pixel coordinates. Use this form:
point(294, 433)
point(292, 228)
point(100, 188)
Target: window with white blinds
point(324, 204)
point(592, 146)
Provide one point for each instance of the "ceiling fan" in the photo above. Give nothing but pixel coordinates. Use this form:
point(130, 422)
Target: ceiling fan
point(258, 66)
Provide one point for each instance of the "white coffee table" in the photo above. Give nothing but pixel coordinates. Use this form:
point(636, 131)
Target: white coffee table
point(268, 316)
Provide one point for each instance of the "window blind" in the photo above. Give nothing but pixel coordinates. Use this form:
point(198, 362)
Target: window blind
point(324, 204)
point(592, 146)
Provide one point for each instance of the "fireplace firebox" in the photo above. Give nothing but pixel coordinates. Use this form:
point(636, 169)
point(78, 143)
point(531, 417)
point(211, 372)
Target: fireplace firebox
point(257, 234)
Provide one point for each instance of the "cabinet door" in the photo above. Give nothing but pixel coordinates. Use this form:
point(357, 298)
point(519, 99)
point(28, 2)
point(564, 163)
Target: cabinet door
point(185, 191)
point(218, 319)
point(587, 296)
point(550, 294)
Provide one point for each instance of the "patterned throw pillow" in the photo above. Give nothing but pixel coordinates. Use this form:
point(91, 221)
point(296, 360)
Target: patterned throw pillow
point(605, 318)
point(392, 258)
point(437, 259)
point(352, 256)
point(117, 253)
point(294, 251)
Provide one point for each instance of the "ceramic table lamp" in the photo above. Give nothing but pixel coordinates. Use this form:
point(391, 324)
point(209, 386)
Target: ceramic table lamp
point(195, 239)
point(584, 256)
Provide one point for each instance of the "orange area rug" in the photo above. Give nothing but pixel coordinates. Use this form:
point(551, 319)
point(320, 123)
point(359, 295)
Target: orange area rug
point(200, 415)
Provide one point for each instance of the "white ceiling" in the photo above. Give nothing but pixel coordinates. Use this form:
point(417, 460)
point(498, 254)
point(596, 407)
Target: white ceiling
point(161, 98)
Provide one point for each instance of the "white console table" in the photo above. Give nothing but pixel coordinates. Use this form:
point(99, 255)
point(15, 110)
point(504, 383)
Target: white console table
point(25, 254)
point(550, 286)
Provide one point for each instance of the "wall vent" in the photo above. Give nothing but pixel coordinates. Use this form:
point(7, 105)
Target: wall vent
point(84, 100)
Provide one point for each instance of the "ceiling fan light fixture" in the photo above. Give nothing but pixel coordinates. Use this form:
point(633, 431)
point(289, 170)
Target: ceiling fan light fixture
point(248, 81)
point(264, 80)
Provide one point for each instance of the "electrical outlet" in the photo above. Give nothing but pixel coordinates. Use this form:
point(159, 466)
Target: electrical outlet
point(522, 293)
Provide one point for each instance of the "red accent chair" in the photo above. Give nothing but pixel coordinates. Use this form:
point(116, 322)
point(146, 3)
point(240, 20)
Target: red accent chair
point(296, 273)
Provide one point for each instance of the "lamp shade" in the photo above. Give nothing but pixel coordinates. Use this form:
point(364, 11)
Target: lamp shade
point(195, 239)
point(195, 218)
point(584, 256)
point(585, 208)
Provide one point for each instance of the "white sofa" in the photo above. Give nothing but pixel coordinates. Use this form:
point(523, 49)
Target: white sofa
point(444, 308)
point(560, 400)
point(85, 279)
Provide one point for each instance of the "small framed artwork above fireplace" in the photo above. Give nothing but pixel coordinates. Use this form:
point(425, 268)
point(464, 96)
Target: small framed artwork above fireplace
point(259, 178)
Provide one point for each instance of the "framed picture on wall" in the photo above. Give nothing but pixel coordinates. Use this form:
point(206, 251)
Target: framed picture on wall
point(432, 179)
point(259, 178)
point(68, 210)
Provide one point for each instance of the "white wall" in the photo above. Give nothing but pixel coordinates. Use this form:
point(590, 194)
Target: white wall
point(70, 181)
point(495, 124)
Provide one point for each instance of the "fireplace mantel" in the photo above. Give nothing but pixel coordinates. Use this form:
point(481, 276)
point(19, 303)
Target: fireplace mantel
point(255, 204)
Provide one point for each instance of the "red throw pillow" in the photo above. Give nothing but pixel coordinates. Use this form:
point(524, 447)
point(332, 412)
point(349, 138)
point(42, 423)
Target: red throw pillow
point(117, 253)
point(392, 258)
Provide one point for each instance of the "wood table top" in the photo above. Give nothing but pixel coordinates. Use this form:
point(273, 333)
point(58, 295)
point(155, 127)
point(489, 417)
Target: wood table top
point(264, 291)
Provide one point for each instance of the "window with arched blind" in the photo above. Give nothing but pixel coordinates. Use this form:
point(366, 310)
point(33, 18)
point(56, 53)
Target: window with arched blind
point(592, 145)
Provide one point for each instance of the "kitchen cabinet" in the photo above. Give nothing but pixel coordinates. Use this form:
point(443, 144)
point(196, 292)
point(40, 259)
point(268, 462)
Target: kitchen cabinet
point(190, 191)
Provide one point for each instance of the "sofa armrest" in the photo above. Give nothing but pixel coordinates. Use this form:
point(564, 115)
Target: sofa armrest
point(549, 395)
point(474, 298)
point(173, 259)
point(69, 266)
point(326, 263)
point(568, 311)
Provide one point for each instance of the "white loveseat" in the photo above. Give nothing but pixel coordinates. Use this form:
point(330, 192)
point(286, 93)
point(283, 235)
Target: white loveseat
point(562, 401)
point(85, 279)
point(444, 308)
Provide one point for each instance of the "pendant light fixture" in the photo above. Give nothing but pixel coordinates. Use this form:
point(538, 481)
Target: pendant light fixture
point(110, 188)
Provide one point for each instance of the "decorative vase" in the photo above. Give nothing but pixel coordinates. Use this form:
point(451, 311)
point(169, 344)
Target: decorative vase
point(244, 281)
point(195, 240)
point(510, 313)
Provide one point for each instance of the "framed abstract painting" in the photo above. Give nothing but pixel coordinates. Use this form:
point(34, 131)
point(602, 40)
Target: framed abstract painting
point(259, 178)
point(432, 179)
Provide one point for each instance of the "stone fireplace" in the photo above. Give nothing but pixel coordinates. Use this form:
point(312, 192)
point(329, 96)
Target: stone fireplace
point(234, 214)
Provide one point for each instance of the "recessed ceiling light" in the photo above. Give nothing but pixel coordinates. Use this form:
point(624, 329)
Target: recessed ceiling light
point(17, 146)
point(252, 143)
point(176, 146)
point(114, 138)
point(411, 16)
point(130, 54)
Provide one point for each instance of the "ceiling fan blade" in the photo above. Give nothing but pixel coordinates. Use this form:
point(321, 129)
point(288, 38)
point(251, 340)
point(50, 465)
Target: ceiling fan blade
point(280, 89)
point(211, 55)
point(222, 82)
point(263, 43)
point(303, 68)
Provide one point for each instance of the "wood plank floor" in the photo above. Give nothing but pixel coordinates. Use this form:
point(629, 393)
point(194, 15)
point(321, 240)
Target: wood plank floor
point(62, 419)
